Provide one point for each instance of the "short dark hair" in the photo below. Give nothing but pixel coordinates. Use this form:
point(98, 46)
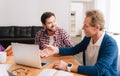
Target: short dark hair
point(46, 15)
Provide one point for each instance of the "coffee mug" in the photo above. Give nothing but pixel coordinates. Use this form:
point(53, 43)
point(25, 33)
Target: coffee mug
point(2, 57)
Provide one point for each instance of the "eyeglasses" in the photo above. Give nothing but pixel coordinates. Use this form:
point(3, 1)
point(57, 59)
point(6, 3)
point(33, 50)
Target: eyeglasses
point(20, 72)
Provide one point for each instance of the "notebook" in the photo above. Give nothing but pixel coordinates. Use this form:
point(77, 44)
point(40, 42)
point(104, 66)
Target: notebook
point(28, 54)
point(54, 72)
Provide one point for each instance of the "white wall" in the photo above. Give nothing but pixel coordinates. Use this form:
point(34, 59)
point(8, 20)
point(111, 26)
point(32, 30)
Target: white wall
point(78, 8)
point(114, 22)
point(28, 12)
point(104, 6)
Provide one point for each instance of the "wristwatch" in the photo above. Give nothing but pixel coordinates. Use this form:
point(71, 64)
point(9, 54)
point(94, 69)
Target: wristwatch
point(69, 67)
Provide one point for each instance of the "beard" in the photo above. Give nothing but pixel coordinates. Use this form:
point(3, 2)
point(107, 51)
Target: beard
point(51, 29)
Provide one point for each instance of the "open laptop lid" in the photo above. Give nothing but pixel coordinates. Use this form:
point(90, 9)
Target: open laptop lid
point(26, 54)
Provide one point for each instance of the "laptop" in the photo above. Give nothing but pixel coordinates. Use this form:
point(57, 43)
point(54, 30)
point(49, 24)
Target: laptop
point(28, 54)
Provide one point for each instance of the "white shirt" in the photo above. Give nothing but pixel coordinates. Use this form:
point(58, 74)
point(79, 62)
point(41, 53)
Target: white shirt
point(91, 53)
point(51, 40)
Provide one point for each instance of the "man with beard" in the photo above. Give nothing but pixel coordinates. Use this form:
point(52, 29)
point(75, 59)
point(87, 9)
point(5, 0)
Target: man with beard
point(51, 34)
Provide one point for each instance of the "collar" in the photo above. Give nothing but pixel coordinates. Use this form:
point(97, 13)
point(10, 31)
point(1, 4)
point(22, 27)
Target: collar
point(99, 41)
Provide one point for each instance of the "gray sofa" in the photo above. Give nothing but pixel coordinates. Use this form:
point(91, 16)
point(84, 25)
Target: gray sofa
point(22, 34)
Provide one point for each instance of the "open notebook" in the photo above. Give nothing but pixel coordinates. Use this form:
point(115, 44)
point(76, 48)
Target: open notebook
point(53, 72)
point(28, 54)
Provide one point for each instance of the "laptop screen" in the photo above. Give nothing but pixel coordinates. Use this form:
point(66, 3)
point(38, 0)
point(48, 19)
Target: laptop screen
point(27, 54)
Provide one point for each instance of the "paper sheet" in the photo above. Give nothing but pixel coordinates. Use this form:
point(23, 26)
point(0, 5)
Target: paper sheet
point(3, 69)
point(53, 72)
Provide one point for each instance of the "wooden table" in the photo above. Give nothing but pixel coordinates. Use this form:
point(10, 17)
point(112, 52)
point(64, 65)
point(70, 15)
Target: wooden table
point(35, 71)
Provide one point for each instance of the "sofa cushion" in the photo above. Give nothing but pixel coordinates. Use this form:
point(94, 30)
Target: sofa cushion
point(21, 34)
point(35, 29)
point(6, 31)
point(21, 31)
